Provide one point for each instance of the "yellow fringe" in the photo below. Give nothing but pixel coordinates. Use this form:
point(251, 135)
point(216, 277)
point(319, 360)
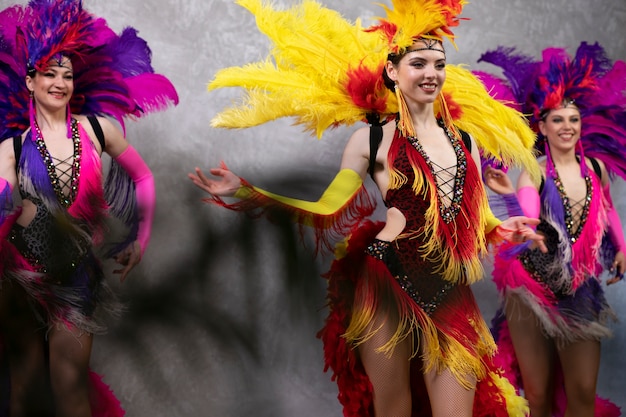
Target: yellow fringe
point(444, 111)
point(442, 254)
point(360, 330)
point(461, 363)
point(405, 121)
point(438, 351)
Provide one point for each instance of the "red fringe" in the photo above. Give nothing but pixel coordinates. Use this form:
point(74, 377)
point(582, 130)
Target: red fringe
point(461, 234)
point(355, 390)
point(328, 228)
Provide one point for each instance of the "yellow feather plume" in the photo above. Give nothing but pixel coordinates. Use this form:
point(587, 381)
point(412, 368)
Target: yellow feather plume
point(499, 131)
point(314, 53)
point(313, 50)
point(413, 19)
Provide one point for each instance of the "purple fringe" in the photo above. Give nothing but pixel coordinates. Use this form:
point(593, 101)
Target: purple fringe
point(119, 192)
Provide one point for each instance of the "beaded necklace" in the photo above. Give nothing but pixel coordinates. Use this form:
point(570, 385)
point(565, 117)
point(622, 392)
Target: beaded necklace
point(569, 217)
point(448, 213)
point(64, 200)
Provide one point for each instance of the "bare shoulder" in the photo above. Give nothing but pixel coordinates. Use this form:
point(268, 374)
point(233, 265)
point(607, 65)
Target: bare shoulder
point(86, 125)
point(356, 152)
point(114, 140)
point(7, 161)
point(525, 180)
point(604, 176)
point(6, 150)
point(360, 135)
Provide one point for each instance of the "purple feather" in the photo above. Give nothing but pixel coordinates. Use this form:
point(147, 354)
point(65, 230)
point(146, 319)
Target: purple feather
point(113, 75)
point(37, 170)
point(518, 69)
point(130, 54)
point(597, 85)
point(499, 89)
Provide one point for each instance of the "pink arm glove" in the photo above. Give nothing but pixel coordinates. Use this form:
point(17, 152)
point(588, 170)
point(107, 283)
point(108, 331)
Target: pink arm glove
point(528, 198)
point(615, 225)
point(141, 175)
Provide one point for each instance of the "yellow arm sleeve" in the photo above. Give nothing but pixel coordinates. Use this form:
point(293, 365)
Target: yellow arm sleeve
point(491, 221)
point(341, 190)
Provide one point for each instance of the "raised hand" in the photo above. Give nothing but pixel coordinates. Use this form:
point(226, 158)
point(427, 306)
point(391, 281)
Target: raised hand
point(225, 185)
point(618, 268)
point(498, 181)
point(517, 229)
point(128, 258)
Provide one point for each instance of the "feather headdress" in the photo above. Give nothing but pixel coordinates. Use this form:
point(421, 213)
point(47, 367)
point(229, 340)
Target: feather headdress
point(113, 75)
point(325, 71)
point(595, 84)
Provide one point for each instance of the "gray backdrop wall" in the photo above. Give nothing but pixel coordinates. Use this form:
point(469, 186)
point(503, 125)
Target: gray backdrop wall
point(223, 312)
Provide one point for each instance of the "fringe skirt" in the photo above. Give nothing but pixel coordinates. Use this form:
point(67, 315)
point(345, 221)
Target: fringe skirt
point(367, 277)
point(566, 318)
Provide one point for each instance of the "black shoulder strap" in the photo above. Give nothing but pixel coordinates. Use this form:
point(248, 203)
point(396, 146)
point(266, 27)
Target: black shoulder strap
point(594, 164)
point(17, 150)
point(467, 141)
point(95, 125)
point(376, 136)
point(596, 167)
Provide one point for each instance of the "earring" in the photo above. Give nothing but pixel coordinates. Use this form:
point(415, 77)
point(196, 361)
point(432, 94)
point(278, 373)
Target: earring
point(405, 122)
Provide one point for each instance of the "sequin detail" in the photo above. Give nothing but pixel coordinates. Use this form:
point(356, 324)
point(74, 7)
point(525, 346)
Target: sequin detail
point(383, 251)
point(64, 200)
point(449, 212)
point(569, 217)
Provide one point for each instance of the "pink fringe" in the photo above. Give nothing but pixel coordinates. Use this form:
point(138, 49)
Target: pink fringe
point(90, 204)
point(586, 248)
point(510, 274)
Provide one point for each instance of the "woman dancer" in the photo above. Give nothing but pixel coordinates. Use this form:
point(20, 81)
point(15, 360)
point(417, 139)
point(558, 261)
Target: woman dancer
point(404, 336)
point(60, 67)
point(554, 312)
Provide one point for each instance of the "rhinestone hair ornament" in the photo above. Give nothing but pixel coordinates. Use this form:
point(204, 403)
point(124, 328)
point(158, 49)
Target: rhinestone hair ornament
point(431, 45)
point(338, 66)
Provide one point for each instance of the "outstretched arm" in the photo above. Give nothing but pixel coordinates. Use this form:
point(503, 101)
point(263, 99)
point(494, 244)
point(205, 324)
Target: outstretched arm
point(516, 229)
point(344, 188)
point(225, 184)
point(343, 204)
point(499, 182)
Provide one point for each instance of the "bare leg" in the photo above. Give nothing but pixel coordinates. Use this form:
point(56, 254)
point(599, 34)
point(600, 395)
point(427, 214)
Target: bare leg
point(70, 350)
point(448, 398)
point(580, 362)
point(535, 355)
point(389, 375)
point(24, 341)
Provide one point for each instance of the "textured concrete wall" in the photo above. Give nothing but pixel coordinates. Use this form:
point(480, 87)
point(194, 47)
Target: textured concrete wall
point(223, 311)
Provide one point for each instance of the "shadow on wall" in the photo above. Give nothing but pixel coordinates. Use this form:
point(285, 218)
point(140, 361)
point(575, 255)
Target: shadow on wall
point(238, 314)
